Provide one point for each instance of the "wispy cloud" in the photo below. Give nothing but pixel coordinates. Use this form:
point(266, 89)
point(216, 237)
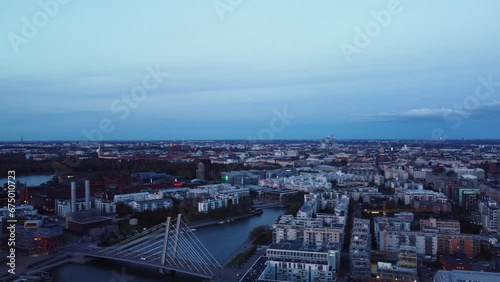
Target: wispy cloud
point(490, 110)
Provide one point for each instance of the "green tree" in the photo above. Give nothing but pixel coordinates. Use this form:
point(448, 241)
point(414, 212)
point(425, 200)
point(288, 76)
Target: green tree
point(257, 231)
point(293, 209)
point(124, 209)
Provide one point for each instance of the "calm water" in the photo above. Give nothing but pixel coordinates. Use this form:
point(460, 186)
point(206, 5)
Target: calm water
point(223, 241)
point(30, 180)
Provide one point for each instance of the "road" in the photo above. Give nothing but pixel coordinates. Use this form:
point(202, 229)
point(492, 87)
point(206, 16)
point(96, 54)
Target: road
point(244, 271)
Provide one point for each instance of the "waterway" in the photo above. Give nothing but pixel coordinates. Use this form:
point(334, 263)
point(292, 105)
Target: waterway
point(223, 241)
point(30, 180)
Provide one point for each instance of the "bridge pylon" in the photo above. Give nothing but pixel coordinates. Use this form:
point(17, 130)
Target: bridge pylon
point(165, 244)
point(169, 246)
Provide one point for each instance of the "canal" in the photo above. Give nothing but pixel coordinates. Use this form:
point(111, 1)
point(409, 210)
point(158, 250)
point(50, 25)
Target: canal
point(223, 241)
point(30, 180)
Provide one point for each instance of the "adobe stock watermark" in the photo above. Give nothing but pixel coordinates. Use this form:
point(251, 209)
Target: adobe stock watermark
point(460, 112)
point(277, 123)
point(363, 37)
point(41, 18)
point(223, 6)
point(123, 105)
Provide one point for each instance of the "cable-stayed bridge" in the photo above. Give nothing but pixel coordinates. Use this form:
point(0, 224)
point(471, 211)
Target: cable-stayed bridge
point(170, 246)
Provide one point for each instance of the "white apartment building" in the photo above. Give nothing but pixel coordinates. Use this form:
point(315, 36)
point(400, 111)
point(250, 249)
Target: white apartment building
point(425, 242)
point(393, 173)
point(307, 183)
point(410, 196)
point(421, 173)
point(206, 205)
point(490, 213)
point(107, 207)
point(477, 172)
point(440, 226)
point(141, 196)
point(295, 262)
point(151, 204)
point(64, 206)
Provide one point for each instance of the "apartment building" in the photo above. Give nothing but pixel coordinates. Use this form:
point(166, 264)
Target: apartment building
point(490, 212)
point(360, 249)
point(293, 261)
point(441, 226)
point(449, 244)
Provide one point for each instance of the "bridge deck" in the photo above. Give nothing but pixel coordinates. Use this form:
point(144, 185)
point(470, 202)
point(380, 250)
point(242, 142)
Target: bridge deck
point(170, 246)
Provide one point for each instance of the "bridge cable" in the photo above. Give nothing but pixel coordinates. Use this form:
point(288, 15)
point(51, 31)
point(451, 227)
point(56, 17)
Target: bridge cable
point(206, 251)
point(190, 254)
point(210, 260)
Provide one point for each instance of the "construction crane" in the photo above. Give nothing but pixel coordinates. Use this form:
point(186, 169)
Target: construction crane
point(384, 211)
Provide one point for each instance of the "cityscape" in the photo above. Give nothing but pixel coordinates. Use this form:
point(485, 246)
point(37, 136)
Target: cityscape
point(341, 210)
point(250, 141)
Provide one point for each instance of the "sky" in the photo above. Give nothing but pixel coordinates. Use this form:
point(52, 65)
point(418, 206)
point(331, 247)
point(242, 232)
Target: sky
point(249, 69)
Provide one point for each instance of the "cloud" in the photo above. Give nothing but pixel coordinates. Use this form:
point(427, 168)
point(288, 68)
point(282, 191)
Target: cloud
point(489, 110)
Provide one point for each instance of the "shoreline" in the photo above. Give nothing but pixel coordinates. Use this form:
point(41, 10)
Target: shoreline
point(19, 176)
point(63, 258)
point(216, 221)
point(34, 174)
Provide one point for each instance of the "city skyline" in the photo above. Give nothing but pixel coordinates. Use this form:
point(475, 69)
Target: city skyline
point(238, 140)
point(228, 74)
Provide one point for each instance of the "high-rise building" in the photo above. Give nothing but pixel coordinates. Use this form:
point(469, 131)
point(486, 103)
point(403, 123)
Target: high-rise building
point(360, 249)
point(204, 169)
point(200, 171)
point(490, 212)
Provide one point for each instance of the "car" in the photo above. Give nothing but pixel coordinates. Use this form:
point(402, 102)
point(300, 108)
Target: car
point(143, 258)
point(238, 275)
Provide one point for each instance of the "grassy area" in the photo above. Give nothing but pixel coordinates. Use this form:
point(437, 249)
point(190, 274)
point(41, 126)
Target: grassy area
point(243, 257)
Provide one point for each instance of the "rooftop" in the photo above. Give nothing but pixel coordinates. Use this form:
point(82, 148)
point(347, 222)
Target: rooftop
point(462, 275)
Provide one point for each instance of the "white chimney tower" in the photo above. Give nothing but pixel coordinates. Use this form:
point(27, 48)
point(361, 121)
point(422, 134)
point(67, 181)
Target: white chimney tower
point(87, 194)
point(73, 196)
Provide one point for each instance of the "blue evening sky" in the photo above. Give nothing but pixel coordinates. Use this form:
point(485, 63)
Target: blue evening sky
point(230, 73)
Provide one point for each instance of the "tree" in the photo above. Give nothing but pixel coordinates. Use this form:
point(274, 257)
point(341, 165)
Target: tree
point(293, 209)
point(124, 209)
point(259, 230)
